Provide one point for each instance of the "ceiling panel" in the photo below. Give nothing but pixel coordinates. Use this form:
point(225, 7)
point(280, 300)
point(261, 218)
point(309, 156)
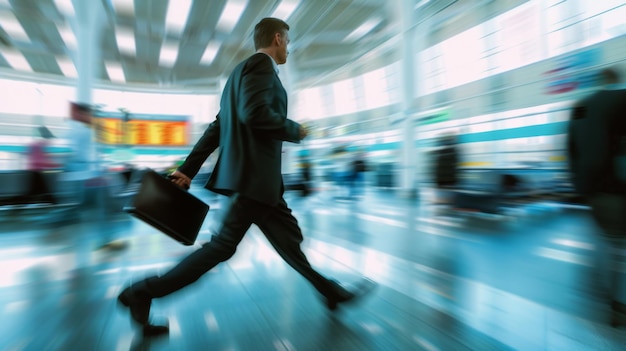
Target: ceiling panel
point(320, 32)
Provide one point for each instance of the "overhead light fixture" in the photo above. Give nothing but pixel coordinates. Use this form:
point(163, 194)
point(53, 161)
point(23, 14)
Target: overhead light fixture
point(115, 71)
point(12, 26)
point(125, 38)
point(210, 52)
point(67, 67)
point(126, 7)
point(285, 9)
point(168, 54)
point(16, 60)
point(66, 32)
point(230, 15)
point(421, 3)
point(363, 29)
point(65, 7)
point(177, 14)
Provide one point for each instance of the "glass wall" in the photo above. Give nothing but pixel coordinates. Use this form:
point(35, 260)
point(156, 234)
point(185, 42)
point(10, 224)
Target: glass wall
point(534, 31)
point(32, 104)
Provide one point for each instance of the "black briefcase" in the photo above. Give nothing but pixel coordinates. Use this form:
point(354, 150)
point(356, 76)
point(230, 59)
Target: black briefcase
point(168, 208)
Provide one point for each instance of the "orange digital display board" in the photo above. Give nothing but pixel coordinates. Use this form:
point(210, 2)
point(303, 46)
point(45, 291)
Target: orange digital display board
point(141, 132)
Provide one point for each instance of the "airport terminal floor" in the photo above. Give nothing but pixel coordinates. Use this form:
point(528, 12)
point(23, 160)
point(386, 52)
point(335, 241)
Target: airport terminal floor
point(446, 280)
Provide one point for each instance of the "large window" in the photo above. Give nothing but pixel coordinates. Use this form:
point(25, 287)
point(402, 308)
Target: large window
point(431, 70)
point(604, 20)
point(25, 97)
point(563, 30)
point(200, 108)
point(519, 37)
point(310, 104)
point(533, 31)
point(374, 89)
point(345, 99)
point(463, 58)
point(31, 104)
point(375, 86)
point(39, 99)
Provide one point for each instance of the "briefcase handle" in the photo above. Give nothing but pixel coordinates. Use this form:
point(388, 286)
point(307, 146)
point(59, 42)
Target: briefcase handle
point(170, 177)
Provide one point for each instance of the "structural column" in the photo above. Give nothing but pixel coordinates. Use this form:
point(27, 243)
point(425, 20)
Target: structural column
point(83, 165)
point(405, 12)
point(87, 26)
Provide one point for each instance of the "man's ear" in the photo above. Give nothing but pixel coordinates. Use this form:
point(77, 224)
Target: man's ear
point(277, 38)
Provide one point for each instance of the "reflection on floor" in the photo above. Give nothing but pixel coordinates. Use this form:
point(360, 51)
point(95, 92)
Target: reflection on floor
point(446, 281)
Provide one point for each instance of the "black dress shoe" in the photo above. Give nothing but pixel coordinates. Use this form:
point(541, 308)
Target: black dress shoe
point(341, 295)
point(138, 301)
point(155, 330)
point(618, 306)
point(618, 314)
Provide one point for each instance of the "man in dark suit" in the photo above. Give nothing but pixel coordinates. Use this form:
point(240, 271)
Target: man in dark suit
point(249, 131)
point(596, 135)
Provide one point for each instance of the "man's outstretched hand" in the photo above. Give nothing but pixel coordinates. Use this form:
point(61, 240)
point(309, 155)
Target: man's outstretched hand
point(180, 179)
point(304, 131)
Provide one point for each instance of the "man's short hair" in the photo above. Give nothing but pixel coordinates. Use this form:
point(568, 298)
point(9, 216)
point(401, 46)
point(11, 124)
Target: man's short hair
point(264, 31)
point(609, 76)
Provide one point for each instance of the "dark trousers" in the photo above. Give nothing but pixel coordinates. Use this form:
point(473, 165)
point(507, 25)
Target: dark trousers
point(276, 222)
point(609, 212)
point(39, 189)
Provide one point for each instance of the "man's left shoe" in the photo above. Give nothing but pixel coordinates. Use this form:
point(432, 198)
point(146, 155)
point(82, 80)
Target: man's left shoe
point(155, 330)
point(341, 295)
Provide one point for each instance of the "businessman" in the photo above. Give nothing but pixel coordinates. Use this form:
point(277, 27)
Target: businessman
point(596, 140)
point(249, 130)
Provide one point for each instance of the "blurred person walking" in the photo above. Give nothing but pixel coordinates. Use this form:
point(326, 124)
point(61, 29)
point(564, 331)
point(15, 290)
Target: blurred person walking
point(249, 130)
point(306, 177)
point(357, 176)
point(445, 168)
point(597, 130)
point(40, 162)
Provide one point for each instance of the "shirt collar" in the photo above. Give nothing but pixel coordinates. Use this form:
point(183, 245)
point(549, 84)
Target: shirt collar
point(273, 62)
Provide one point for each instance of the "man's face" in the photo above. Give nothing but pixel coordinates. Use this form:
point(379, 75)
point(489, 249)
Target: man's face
point(282, 52)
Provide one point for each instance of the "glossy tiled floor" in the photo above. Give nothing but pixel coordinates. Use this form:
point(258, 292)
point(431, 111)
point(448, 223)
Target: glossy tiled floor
point(446, 281)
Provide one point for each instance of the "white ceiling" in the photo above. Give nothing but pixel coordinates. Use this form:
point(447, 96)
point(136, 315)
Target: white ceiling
point(148, 47)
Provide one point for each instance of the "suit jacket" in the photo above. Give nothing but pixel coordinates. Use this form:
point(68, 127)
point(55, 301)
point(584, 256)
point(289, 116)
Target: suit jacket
point(596, 126)
point(249, 130)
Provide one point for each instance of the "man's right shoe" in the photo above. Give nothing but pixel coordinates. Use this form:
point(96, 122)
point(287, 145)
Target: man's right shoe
point(138, 301)
point(618, 306)
point(341, 295)
point(618, 314)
